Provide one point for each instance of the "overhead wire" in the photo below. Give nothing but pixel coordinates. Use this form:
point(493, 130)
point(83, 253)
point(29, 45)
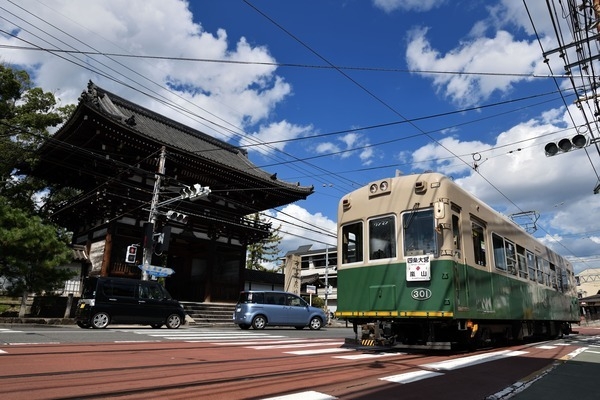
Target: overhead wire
point(331, 66)
point(377, 99)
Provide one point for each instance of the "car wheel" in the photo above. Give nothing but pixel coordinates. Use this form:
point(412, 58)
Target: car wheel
point(156, 326)
point(174, 321)
point(244, 326)
point(100, 320)
point(259, 322)
point(315, 323)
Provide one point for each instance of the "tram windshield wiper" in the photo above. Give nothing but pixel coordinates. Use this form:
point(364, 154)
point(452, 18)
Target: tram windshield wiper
point(411, 216)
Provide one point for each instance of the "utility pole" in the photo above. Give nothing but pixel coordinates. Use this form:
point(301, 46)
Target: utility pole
point(327, 280)
point(147, 255)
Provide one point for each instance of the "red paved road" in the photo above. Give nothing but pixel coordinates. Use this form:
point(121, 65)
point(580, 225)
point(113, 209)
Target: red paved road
point(180, 370)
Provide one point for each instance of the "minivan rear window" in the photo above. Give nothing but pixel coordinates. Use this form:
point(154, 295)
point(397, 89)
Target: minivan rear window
point(249, 297)
point(89, 288)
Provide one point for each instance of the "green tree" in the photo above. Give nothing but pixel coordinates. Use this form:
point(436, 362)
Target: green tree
point(30, 252)
point(26, 114)
point(31, 247)
point(264, 251)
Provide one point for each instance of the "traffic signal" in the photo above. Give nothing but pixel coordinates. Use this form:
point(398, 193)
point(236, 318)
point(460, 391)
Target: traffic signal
point(130, 257)
point(194, 191)
point(577, 142)
point(177, 216)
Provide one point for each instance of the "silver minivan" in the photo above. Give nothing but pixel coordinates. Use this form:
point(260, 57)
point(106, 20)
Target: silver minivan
point(258, 309)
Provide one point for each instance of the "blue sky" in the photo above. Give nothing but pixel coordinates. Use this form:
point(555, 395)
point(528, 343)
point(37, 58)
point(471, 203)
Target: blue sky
point(337, 94)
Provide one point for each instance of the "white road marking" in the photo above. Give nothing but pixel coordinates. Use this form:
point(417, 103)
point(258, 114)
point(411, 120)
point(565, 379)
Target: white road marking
point(368, 355)
point(409, 377)
point(472, 360)
point(318, 351)
point(310, 395)
point(292, 345)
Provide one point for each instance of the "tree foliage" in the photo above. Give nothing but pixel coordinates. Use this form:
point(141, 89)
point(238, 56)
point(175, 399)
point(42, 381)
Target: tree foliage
point(31, 247)
point(265, 251)
point(30, 251)
point(26, 114)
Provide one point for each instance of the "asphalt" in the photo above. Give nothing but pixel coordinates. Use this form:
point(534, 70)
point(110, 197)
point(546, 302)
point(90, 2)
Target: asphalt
point(573, 376)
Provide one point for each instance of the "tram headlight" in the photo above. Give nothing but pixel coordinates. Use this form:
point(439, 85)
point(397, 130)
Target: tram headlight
point(384, 186)
point(373, 188)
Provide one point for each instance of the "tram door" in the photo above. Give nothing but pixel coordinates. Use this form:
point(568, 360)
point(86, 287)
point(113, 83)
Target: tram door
point(460, 269)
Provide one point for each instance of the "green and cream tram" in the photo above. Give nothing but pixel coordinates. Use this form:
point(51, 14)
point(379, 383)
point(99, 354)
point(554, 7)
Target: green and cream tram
point(421, 262)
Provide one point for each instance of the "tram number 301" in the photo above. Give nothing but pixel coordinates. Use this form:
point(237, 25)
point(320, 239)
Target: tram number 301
point(421, 294)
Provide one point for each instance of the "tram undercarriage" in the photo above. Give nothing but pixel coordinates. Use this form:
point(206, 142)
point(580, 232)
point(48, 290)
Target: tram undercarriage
point(453, 334)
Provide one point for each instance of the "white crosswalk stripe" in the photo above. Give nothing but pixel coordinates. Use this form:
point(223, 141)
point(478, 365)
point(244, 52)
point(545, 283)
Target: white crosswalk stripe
point(366, 356)
point(197, 335)
point(319, 351)
point(6, 330)
point(288, 345)
point(426, 371)
point(252, 340)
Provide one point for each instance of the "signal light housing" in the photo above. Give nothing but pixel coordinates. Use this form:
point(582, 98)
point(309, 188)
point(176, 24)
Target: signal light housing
point(131, 255)
point(564, 145)
point(177, 216)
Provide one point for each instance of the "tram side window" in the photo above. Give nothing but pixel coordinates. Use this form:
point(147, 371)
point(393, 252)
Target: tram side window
point(511, 257)
point(538, 267)
point(521, 262)
point(419, 233)
point(499, 254)
point(456, 231)
point(382, 238)
point(531, 265)
point(560, 286)
point(546, 270)
point(565, 280)
point(478, 243)
point(352, 243)
point(553, 276)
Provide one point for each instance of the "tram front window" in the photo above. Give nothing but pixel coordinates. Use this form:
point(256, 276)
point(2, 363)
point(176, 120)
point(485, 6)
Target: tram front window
point(419, 233)
point(382, 238)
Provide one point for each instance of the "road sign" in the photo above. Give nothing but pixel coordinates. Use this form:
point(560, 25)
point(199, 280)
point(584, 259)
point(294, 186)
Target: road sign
point(156, 270)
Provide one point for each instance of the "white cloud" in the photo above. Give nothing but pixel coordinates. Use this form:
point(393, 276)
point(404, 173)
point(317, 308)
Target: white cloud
point(274, 135)
point(441, 156)
point(499, 55)
point(407, 5)
point(299, 227)
point(235, 96)
point(347, 146)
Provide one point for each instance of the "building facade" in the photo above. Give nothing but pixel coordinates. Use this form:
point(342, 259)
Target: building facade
point(318, 269)
point(126, 167)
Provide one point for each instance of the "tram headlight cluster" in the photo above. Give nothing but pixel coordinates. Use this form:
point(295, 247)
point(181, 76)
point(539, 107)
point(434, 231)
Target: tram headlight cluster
point(379, 187)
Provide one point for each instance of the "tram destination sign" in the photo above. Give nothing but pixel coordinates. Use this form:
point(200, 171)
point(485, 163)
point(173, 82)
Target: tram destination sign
point(418, 268)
